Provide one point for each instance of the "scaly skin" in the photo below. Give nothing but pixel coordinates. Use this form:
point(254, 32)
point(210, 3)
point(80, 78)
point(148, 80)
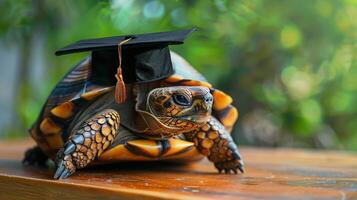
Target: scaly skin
point(87, 143)
point(213, 141)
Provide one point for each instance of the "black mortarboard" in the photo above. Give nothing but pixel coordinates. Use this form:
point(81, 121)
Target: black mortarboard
point(144, 57)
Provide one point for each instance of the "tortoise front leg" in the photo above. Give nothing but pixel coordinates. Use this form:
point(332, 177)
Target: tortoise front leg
point(87, 143)
point(213, 141)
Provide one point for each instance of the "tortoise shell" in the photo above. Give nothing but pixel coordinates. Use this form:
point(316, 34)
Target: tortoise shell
point(74, 92)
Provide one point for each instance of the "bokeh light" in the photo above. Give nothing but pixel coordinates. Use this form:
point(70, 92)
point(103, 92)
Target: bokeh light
point(290, 66)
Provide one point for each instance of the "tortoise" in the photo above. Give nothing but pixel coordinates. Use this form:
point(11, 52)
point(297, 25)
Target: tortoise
point(180, 118)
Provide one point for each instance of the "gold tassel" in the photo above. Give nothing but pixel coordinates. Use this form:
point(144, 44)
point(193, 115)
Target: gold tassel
point(120, 94)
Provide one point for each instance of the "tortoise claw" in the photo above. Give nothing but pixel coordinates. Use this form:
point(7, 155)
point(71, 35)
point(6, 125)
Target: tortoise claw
point(230, 166)
point(64, 170)
point(241, 166)
point(59, 171)
point(65, 174)
point(64, 164)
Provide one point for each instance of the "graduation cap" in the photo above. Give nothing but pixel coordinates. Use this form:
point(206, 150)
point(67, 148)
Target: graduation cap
point(129, 59)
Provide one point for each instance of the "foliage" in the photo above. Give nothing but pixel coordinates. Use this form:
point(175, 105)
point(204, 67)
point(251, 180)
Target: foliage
point(290, 65)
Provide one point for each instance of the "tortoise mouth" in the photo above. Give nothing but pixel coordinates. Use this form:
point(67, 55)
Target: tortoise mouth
point(197, 118)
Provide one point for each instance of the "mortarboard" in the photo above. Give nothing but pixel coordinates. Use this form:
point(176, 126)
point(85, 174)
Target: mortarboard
point(129, 59)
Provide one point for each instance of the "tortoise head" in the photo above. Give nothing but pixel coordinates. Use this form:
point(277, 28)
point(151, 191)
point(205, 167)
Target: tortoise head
point(182, 107)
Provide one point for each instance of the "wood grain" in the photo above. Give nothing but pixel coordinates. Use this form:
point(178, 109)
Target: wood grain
point(270, 174)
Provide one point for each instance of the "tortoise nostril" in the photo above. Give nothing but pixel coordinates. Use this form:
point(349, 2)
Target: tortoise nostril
point(208, 99)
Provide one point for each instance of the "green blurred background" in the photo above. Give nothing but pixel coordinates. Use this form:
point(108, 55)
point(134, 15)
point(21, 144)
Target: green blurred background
point(290, 65)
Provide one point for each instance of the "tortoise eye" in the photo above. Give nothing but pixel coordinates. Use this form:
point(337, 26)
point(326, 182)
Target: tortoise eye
point(181, 100)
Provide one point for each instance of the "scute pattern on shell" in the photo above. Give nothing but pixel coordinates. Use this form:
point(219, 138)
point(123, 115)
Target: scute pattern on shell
point(142, 149)
point(69, 96)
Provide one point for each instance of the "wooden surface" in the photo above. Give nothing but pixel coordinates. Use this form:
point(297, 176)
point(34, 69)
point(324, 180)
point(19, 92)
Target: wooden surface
point(270, 174)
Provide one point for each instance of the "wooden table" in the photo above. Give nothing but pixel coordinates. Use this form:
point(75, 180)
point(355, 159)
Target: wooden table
point(270, 174)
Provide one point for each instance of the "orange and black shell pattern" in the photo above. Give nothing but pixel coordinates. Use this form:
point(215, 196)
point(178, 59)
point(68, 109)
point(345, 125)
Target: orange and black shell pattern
point(69, 96)
point(132, 148)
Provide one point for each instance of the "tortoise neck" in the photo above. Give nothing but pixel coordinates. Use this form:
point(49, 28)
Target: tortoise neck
point(141, 91)
point(149, 125)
